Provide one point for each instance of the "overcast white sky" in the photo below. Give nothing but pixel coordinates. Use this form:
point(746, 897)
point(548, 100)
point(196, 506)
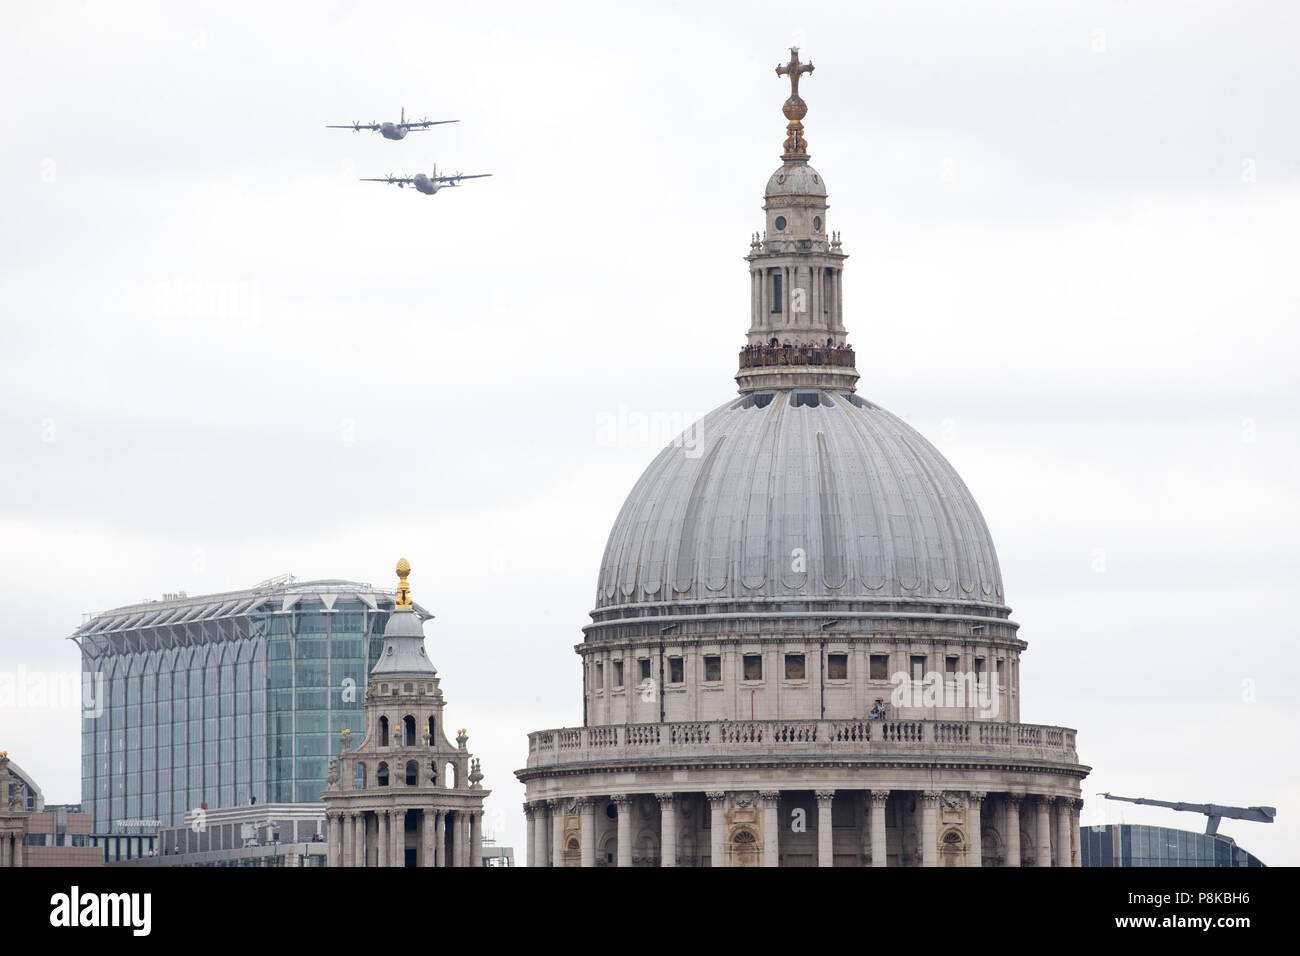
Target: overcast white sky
point(1073, 241)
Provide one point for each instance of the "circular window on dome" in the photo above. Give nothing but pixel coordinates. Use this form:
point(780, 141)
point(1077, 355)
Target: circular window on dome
point(817, 223)
point(780, 222)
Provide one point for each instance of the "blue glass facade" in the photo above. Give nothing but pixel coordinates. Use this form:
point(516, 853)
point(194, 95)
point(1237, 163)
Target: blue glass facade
point(1130, 844)
point(223, 699)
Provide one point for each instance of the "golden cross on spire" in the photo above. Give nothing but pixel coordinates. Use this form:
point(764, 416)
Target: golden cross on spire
point(795, 109)
point(794, 69)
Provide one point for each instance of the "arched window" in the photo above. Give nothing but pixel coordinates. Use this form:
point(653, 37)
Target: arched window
point(776, 293)
point(412, 773)
point(449, 776)
point(408, 731)
point(381, 775)
point(383, 731)
point(432, 734)
point(359, 777)
point(743, 838)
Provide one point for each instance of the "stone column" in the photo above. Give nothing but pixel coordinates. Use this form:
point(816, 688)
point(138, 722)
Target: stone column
point(458, 838)
point(667, 829)
point(1063, 829)
point(623, 804)
point(771, 800)
point(717, 827)
point(557, 832)
point(346, 834)
point(440, 838)
point(539, 853)
point(929, 828)
point(530, 815)
point(1013, 828)
point(18, 849)
point(476, 838)
point(427, 854)
point(4, 851)
point(879, 851)
point(825, 843)
point(1043, 856)
point(975, 845)
point(359, 844)
point(1076, 808)
point(383, 843)
point(587, 813)
point(397, 832)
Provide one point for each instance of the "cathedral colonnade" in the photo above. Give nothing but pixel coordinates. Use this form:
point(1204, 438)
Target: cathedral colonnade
point(805, 828)
point(401, 836)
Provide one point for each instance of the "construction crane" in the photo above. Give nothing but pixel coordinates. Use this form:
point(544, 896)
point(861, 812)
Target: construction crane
point(1213, 811)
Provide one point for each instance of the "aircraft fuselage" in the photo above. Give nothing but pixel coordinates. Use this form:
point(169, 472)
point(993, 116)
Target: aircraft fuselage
point(391, 131)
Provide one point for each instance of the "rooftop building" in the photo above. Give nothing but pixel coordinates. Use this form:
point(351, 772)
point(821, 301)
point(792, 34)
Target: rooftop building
point(222, 700)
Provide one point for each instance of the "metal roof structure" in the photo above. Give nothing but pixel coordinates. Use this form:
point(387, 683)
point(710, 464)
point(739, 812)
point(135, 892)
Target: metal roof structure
point(202, 619)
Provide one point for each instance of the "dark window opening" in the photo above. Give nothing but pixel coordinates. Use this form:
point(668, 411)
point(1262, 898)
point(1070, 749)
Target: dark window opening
point(408, 731)
point(383, 731)
point(880, 667)
point(776, 294)
point(837, 666)
point(618, 673)
point(801, 399)
point(918, 667)
point(645, 668)
point(381, 775)
point(753, 667)
point(712, 668)
point(675, 670)
point(412, 773)
point(794, 667)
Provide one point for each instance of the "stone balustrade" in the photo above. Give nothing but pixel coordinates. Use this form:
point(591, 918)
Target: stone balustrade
point(847, 738)
point(765, 356)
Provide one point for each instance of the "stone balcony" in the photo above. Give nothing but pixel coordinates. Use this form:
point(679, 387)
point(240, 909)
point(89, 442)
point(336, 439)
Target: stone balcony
point(764, 356)
point(765, 368)
point(799, 738)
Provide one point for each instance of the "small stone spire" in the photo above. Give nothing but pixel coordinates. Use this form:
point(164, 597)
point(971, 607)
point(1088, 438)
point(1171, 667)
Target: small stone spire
point(795, 109)
point(403, 602)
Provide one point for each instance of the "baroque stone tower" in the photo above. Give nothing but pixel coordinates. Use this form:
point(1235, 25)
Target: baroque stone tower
point(800, 652)
point(403, 795)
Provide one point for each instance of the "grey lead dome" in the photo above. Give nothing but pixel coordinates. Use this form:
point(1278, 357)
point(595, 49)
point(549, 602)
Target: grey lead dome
point(795, 180)
point(842, 500)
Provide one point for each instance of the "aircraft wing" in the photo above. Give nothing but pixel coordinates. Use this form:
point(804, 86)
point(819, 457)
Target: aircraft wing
point(396, 180)
point(356, 126)
point(425, 124)
point(452, 179)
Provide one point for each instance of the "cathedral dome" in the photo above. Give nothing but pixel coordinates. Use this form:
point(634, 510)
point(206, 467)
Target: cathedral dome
point(795, 179)
point(770, 498)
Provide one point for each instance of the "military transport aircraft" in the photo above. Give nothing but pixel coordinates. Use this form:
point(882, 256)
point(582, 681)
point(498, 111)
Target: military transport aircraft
point(427, 184)
point(394, 130)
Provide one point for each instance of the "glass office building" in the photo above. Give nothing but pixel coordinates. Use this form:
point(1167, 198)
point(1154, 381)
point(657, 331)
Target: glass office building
point(222, 700)
point(1131, 844)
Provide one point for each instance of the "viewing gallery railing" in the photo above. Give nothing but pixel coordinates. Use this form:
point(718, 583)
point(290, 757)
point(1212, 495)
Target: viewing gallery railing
point(722, 738)
point(763, 356)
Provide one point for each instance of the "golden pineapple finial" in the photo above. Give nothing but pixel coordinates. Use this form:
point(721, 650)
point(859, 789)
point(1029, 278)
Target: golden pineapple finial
point(403, 589)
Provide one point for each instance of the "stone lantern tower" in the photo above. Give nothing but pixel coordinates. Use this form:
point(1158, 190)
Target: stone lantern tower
point(404, 795)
